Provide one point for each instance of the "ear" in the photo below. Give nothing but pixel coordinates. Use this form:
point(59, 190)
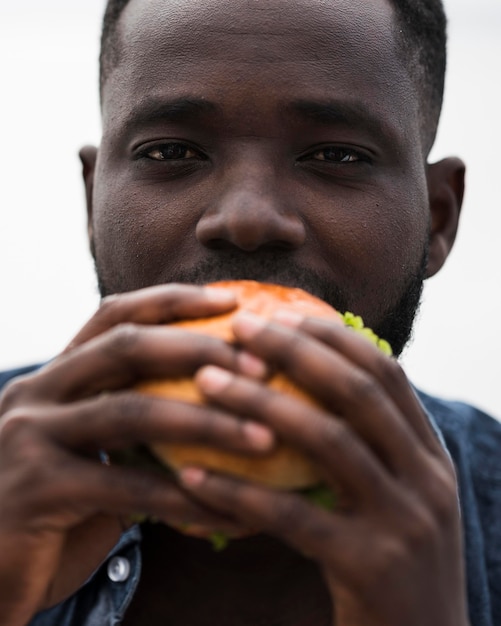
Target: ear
point(88, 157)
point(445, 189)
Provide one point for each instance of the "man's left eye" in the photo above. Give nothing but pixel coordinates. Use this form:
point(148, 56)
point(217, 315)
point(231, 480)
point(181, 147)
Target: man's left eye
point(171, 152)
point(336, 155)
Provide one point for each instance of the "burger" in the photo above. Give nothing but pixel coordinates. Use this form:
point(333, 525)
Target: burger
point(283, 468)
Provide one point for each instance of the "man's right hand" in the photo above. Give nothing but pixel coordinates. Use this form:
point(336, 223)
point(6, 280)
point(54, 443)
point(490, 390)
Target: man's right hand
point(61, 509)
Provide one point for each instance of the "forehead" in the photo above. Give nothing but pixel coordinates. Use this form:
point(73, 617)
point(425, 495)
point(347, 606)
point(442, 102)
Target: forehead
point(236, 50)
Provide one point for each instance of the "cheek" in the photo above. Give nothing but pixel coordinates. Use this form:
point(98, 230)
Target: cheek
point(379, 243)
point(396, 238)
point(137, 234)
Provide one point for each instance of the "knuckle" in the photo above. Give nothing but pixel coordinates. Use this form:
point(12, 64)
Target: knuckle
point(21, 442)
point(420, 531)
point(365, 388)
point(126, 412)
point(391, 373)
point(396, 551)
point(208, 433)
point(12, 393)
point(212, 350)
point(335, 434)
point(292, 346)
point(442, 494)
point(285, 514)
point(207, 348)
point(174, 292)
point(130, 406)
point(289, 351)
point(323, 330)
point(391, 556)
point(109, 305)
point(207, 427)
point(16, 428)
point(123, 339)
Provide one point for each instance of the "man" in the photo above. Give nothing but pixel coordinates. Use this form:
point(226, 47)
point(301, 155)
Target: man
point(284, 141)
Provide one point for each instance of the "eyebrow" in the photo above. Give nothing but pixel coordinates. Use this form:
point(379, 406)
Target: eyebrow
point(175, 110)
point(340, 113)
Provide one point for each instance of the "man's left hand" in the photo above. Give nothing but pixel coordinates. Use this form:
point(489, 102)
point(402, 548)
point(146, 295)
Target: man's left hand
point(391, 552)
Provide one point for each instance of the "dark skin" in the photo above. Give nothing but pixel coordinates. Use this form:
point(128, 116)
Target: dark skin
point(241, 140)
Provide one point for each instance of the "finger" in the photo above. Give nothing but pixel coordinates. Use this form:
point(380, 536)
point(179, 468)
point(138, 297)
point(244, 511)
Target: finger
point(387, 371)
point(113, 421)
point(310, 530)
point(344, 388)
point(123, 356)
point(343, 458)
point(155, 305)
point(57, 490)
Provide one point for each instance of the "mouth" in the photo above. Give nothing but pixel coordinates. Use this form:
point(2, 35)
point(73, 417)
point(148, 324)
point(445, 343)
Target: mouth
point(265, 267)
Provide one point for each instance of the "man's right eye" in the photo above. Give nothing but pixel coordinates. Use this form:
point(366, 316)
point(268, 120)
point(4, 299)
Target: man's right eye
point(170, 152)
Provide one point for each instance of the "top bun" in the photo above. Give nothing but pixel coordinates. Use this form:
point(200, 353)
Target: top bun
point(284, 467)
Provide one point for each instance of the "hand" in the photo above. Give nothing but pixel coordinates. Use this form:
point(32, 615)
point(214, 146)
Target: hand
point(391, 553)
point(61, 510)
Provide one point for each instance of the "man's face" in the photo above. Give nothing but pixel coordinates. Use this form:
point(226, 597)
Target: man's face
point(275, 140)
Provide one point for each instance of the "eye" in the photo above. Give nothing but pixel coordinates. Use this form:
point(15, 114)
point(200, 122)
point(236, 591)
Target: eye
point(172, 151)
point(334, 154)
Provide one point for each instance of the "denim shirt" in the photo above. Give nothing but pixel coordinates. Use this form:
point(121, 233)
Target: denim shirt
point(472, 438)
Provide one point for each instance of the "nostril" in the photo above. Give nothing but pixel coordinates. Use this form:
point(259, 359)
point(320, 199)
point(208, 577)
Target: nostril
point(218, 244)
point(279, 245)
point(225, 244)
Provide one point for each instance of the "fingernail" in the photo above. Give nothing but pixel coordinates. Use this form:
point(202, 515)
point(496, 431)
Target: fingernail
point(251, 365)
point(212, 378)
point(215, 294)
point(258, 435)
point(288, 317)
point(192, 476)
point(248, 324)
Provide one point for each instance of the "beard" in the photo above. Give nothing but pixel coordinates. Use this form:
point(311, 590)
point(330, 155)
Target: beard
point(394, 323)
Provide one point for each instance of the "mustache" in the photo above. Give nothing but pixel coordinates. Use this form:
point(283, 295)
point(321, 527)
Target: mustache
point(270, 268)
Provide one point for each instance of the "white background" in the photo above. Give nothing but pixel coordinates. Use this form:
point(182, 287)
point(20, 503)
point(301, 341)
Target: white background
point(49, 108)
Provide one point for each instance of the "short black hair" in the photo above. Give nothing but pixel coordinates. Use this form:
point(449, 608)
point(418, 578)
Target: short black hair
point(421, 26)
point(109, 53)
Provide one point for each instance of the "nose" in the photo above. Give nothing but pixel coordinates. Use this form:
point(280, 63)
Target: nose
point(251, 211)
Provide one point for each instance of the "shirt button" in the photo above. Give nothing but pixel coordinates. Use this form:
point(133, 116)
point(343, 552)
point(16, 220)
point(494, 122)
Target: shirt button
point(118, 569)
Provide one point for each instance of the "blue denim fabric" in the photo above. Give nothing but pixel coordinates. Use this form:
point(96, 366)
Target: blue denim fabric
point(100, 602)
point(472, 438)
